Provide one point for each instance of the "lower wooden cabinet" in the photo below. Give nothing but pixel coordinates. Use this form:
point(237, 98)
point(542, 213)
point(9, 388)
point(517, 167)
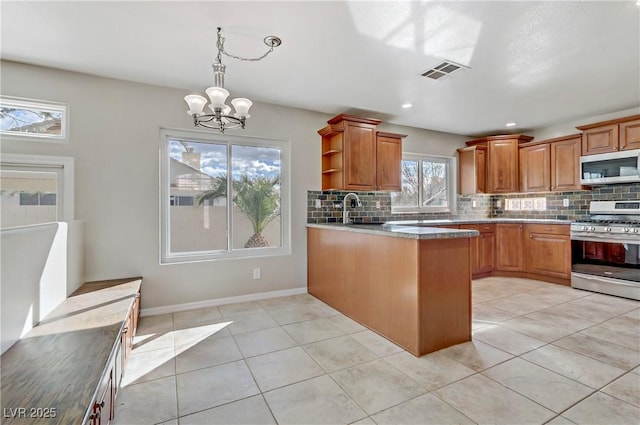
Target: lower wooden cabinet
point(548, 250)
point(534, 251)
point(509, 247)
point(482, 249)
point(103, 410)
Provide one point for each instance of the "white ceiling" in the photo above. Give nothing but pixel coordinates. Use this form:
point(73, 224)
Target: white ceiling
point(534, 63)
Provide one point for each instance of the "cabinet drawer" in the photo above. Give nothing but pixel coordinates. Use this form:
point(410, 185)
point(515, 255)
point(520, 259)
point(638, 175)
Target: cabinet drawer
point(482, 228)
point(551, 229)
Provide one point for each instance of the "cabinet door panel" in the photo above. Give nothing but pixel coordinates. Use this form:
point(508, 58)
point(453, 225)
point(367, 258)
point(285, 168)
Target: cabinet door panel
point(548, 254)
point(565, 165)
point(388, 164)
point(600, 140)
point(535, 168)
point(630, 135)
point(502, 166)
point(360, 157)
point(467, 177)
point(509, 247)
point(486, 248)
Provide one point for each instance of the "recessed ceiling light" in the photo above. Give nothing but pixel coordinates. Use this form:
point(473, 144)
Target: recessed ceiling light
point(406, 105)
point(510, 124)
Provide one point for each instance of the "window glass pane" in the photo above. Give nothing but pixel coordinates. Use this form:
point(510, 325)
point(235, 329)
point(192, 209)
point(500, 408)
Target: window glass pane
point(197, 173)
point(434, 184)
point(256, 196)
point(28, 118)
point(410, 186)
point(21, 196)
point(28, 198)
point(47, 199)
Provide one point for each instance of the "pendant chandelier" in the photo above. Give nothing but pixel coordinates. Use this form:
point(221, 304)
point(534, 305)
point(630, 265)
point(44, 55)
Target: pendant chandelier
point(221, 117)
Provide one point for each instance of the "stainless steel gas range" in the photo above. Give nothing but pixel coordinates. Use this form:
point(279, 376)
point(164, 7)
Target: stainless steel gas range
point(605, 250)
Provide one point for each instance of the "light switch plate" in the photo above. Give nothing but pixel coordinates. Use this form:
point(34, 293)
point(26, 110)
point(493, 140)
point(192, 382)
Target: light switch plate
point(378, 204)
point(318, 203)
point(565, 202)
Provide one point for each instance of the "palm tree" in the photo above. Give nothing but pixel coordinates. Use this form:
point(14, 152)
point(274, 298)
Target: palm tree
point(257, 197)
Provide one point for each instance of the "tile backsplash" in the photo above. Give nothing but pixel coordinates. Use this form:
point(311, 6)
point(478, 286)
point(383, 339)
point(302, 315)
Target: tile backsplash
point(376, 206)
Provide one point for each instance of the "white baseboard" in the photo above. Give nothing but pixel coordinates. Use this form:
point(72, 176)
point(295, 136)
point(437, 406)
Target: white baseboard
point(154, 311)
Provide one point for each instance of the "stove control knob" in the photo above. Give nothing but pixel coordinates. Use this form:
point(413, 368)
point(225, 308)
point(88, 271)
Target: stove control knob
point(585, 227)
point(626, 230)
point(593, 229)
point(607, 229)
point(636, 231)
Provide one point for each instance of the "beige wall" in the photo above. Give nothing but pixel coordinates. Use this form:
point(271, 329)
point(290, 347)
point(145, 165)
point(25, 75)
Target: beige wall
point(114, 129)
point(570, 127)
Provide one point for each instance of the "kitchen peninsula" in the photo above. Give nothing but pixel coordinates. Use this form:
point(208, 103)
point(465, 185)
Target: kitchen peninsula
point(410, 284)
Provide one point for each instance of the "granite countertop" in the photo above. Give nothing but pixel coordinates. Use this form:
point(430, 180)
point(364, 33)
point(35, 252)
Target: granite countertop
point(59, 363)
point(399, 231)
point(479, 221)
point(420, 229)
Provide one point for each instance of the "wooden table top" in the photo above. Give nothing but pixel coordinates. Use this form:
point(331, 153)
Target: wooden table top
point(55, 369)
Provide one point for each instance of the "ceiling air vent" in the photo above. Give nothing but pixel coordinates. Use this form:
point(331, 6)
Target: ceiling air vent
point(442, 70)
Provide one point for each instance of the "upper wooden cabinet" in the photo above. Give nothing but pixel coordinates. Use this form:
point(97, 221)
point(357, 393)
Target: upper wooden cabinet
point(389, 161)
point(535, 168)
point(472, 170)
point(611, 136)
point(501, 164)
point(565, 163)
point(551, 165)
point(357, 157)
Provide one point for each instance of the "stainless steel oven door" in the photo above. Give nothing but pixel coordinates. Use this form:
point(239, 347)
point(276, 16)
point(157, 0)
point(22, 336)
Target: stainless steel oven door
point(606, 264)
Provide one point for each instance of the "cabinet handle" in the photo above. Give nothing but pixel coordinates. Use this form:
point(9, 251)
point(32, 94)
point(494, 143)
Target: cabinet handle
point(530, 236)
point(125, 330)
point(548, 229)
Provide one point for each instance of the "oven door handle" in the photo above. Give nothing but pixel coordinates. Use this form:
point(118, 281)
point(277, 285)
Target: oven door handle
point(608, 238)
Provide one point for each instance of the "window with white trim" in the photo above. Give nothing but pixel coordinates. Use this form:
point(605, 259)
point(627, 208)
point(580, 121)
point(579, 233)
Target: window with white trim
point(222, 196)
point(33, 119)
point(35, 189)
point(428, 184)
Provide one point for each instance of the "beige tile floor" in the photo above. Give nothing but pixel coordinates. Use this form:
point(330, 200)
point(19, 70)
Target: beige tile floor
point(541, 353)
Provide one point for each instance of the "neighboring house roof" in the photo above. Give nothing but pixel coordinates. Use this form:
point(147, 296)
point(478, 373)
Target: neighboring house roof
point(184, 176)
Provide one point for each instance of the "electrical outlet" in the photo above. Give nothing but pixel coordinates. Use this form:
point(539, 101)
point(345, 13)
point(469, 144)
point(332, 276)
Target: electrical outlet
point(318, 203)
point(378, 204)
point(498, 203)
point(256, 273)
point(565, 202)
point(473, 204)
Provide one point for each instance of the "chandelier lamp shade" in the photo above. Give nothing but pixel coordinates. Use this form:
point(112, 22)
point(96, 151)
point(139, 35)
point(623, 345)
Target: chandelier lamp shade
point(220, 117)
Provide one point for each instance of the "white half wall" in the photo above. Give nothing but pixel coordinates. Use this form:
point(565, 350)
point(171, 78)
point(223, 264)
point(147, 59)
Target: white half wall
point(40, 266)
point(113, 137)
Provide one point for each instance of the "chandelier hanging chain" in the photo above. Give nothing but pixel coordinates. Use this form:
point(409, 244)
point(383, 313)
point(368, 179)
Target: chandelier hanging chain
point(221, 117)
point(270, 41)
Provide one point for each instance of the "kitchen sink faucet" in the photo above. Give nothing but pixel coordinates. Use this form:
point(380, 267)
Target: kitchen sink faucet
point(345, 213)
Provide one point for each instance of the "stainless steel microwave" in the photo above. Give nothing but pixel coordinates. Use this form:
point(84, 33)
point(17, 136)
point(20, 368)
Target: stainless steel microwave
point(609, 168)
